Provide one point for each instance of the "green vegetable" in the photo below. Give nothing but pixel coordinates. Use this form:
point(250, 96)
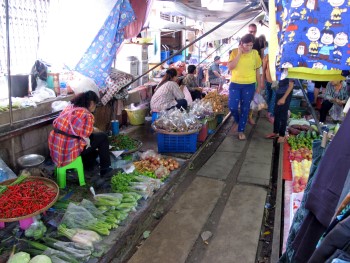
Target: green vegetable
point(308, 134)
point(73, 219)
point(19, 180)
point(104, 200)
point(122, 142)
point(129, 200)
point(61, 204)
point(20, 257)
point(36, 230)
point(83, 237)
point(76, 250)
point(40, 259)
point(336, 128)
point(314, 127)
point(132, 194)
point(125, 205)
point(120, 182)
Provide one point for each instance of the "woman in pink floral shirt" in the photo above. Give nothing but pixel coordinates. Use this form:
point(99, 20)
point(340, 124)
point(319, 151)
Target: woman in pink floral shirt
point(168, 94)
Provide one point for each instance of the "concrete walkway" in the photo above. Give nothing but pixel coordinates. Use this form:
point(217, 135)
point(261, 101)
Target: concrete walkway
point(227, 198)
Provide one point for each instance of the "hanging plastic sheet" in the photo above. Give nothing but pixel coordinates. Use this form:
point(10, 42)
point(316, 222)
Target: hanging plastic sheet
point(98, 59)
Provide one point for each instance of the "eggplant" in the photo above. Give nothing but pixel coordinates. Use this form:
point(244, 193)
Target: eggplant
point(293, 131)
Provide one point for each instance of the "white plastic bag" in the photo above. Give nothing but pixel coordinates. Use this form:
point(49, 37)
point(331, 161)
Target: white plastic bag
point(336, 112)
point(258, 103)
point(81, 83)
point(59, 105)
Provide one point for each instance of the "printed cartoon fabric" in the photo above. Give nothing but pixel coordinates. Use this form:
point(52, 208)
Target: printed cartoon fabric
point(98, 59)
point(313, 34)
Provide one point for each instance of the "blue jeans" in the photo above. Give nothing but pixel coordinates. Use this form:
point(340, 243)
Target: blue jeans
point(240, 95)
point(270, 94)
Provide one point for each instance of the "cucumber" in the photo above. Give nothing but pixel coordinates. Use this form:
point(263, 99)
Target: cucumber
point(308, 134)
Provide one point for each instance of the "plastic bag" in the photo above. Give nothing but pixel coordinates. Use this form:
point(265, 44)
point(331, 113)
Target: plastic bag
point(336, 112)
point(258, 103)
point(73, 217)
point(36, 230)
point(42, 93)
point(59, 105)
point(149, 154)
point(81, 83)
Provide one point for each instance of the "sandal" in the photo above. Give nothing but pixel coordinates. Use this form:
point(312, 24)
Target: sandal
point(271, 136)
point(241, 136)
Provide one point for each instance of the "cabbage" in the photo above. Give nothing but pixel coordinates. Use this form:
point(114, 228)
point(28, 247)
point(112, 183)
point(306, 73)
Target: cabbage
point(20, 257)
point(40, 259)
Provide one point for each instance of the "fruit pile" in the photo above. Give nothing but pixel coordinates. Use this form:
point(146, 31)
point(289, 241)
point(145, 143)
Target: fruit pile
point(301, 172)
point(300, 154)
point(152, 163)
point(302, 140)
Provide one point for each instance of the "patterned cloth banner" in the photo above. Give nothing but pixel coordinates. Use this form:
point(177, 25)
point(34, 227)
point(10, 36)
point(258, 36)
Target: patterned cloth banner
point(98, 59)
point(313, 34)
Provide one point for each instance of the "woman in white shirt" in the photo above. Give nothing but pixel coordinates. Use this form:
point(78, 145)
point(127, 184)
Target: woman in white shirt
point(168, 94)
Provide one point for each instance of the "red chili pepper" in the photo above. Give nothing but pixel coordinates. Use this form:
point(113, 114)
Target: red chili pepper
point(25, 198)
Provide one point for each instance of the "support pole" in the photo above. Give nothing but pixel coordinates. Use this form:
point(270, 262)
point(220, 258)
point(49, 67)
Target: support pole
point(8, 60)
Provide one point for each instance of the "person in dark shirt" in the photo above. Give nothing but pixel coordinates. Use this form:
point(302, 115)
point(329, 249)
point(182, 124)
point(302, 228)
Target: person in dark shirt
point(252, 29)
point(283, 99)
point(190, 81)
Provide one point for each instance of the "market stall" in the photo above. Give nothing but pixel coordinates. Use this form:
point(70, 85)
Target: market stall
point(139, 181)
point(307, 162)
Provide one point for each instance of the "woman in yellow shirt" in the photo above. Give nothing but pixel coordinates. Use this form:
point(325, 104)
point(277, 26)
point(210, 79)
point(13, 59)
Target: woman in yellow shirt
point(244, 64)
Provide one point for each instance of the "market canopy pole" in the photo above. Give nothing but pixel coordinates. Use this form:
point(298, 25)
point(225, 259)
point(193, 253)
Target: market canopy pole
point(197, 39)
point(8, 60)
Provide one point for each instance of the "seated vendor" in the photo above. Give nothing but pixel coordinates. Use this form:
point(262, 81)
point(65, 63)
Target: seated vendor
point(73, 135)
point(214, 72)
point(168, 94)
point(190, 81)
point(336, 92)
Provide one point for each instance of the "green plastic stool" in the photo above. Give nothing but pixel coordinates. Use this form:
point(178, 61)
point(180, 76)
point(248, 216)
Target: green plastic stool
point(77, 165)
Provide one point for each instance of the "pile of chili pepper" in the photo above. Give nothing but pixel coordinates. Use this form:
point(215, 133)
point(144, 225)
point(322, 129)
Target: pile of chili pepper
point(25, 198)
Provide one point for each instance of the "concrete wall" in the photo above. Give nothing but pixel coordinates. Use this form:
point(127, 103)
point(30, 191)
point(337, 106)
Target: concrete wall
point(34, 139)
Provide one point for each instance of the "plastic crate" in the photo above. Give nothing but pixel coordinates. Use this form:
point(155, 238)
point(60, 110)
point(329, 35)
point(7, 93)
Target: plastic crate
point(177, 143)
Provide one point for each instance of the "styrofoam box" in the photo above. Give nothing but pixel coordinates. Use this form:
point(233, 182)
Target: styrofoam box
point(130, 67)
